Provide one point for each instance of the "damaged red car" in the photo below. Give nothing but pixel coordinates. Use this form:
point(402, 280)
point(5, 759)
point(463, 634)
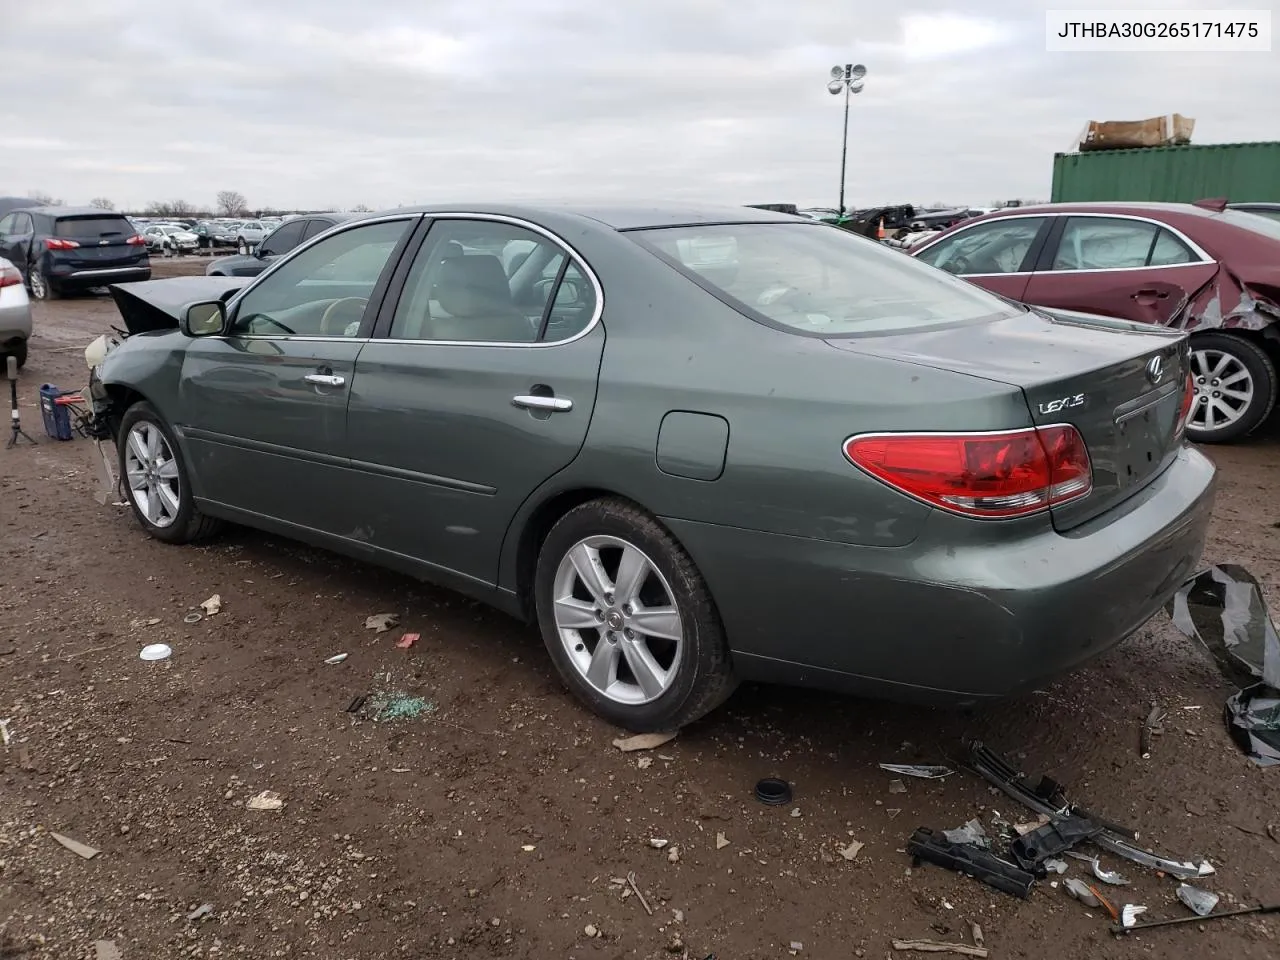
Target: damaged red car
point(1203, 268)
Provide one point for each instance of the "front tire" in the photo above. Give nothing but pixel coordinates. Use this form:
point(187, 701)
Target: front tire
point(156, 479)
point(628, 620)
point(1235, 387)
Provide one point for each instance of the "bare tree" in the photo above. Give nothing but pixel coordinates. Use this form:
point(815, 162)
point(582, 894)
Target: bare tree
point(40, 198)
point(361, 208)
point(231, 203)
point(102, 203)
point(170, 208)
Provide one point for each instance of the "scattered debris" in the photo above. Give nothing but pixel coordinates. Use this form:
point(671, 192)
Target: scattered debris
point(721, 841)
point(106, 950)
point(658, 844)
point(156, 651)
point(972, 832)
point(5, 735)
point(139, 623)
point(1120, 928)
point(978, 938)
point(1130, 913)
point(1088, 895)
point(897, 786)
point(635, 888)
point(381, 622)
point(1106, 876)
point(1273, 831)
point(851, 851)
point(401, 707)
point(408, 640)
point(795, 811)
point(590, 930)
point(934, 946)
point(892, 812)
point(644, 741)
point(193, 617)
point(1058, 836)
point(795, 947)
point(1200, 902)
point(200, 912)
point(922, 771)
point(673, 855)
point(1223, 608)
point(1054, 865)
point(773, 791)
point(356, 703)
point(75, 846)
point(266, 800)
point(970, 860)
point(529, 848)
point(1150, 728)
point(644, 763)
point(1022, 829)
point(212, 605)
point(336, 658)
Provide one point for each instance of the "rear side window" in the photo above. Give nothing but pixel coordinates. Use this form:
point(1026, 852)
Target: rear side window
point(92, 227)
point(819, 280)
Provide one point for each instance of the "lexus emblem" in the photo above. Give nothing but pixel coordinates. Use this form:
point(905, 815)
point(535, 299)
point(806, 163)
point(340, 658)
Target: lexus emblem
point(1155, 369)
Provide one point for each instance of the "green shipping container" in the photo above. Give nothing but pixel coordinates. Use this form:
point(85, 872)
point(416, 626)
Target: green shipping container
point(1182, 174)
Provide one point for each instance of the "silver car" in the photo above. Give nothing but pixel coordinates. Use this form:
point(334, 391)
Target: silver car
point(250, 233)
point(15, 313)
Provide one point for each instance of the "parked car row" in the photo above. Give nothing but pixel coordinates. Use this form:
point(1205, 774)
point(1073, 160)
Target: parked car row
point(256, 257)
point(67, 249)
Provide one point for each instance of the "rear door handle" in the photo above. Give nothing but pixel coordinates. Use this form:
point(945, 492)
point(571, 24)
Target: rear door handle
point(554, 404)
point(325, 379)
point(1149, 293)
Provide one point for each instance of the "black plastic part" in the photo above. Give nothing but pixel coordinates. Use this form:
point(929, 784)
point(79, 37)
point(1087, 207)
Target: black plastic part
point(971, 861)
point(1032, 849)
point(773, 791)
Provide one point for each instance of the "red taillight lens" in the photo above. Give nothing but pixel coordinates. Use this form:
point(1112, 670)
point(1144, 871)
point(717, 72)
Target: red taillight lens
point(1009, 474)
point(136, 241)
point(1188, 400)
point(53, 243)
point(9, 276)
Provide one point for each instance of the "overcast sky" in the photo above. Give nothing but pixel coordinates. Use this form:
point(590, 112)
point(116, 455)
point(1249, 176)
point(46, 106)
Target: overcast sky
point(332, 103)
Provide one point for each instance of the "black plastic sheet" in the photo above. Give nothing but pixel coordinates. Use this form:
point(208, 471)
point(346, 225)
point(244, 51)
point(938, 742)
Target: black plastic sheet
point(1222, 607)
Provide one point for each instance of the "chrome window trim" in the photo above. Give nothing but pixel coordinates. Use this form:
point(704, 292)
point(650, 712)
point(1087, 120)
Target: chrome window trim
point(574, 255)
point(1194, 247)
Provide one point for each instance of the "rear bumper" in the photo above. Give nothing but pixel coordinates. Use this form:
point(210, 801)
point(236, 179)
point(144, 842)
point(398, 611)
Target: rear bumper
point(98, 277)
point(15, 320)
point(961, 615)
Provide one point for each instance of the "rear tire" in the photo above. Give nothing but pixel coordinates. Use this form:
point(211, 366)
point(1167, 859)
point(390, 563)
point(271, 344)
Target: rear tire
point(1235, 383)
point(674, 681)
point(42, 287)
point(155, 475)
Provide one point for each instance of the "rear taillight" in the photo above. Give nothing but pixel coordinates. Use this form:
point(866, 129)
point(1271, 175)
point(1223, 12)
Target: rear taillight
point(136, 241)
point(997, 475)
point(1184, 411)
point(9, 276)
point(54, 243)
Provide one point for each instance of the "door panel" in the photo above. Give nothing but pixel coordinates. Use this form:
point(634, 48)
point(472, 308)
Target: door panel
point(484, 390)
point(1117, 267)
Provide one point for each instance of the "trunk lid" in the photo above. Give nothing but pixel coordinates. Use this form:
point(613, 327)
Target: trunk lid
point(103, 242)
point(1100, 378)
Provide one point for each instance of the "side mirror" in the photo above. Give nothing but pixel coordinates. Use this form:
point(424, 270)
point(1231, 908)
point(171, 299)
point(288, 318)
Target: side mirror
point(203, 319)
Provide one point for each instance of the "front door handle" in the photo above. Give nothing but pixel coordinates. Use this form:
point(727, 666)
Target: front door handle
point(1149, 294)
point(554, 404)
point(325, 379)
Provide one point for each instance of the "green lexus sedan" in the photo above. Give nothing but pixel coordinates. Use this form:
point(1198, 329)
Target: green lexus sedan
point(696, 445)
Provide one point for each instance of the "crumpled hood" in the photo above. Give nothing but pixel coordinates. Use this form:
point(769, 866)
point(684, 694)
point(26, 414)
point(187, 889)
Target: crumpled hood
point(157, 304)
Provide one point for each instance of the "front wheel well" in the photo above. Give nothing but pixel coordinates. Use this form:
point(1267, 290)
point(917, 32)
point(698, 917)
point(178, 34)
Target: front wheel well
point(535, 531)
point(121, 399)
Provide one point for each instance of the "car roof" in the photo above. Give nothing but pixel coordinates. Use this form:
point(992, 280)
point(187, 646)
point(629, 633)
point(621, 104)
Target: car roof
point(1107, 206)
point(619, 216)
point(59, 212)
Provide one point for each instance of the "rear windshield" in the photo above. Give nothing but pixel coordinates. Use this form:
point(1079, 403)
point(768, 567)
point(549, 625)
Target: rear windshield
point(92, 227)
point(1258, 223)
point(820, 280)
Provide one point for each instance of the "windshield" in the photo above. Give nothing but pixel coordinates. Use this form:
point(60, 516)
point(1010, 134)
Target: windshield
point(1258, 222)
point(820, 280)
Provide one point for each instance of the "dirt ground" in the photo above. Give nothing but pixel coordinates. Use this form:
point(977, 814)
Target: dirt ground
point(493, 824)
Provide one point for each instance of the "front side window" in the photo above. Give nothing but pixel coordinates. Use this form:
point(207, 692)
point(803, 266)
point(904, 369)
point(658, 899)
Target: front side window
point(997, 246)
point(7, 225)
point(493, 282)
point(283, 239)
point(323, 291)
point(818, 279)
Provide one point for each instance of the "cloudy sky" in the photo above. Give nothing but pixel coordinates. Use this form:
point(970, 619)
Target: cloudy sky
point(332, 103)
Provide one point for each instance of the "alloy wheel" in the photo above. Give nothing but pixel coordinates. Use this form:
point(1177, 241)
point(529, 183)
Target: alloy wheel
point(152, 471)
point(1224, 389)
point(617, 618)
point(39, 286)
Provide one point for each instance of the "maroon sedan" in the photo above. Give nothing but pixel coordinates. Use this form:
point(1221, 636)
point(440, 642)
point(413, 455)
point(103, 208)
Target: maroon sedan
point(1211, 271)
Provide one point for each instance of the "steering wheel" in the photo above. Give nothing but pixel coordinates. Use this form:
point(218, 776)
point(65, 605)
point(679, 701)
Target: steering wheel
point(331, 311)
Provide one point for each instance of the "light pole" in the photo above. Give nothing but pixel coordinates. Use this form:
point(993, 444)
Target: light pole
point(848, 79)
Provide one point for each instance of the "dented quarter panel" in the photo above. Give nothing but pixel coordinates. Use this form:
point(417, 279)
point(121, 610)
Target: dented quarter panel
point(1227, 303)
